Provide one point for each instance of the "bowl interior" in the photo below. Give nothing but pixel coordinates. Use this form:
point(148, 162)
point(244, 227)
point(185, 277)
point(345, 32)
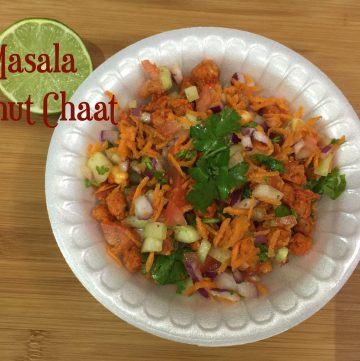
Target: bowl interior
point(298, 289)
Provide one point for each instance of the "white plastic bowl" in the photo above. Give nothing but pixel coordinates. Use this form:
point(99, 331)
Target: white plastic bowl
point(297, 290)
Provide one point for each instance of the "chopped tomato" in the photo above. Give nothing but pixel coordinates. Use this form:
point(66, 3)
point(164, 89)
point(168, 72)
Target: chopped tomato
point(173, 215)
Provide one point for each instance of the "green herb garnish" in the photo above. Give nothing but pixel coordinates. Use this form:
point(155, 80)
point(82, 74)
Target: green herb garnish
point(263, 252)
point(158, 175)
point(169, 269)
point(332, 185)
point(88, 183)
point(251, 125)
point(214, 180)
point(282, 211)
point(294, 213)
point(277, 139)
point(185, 154)
point(334, 141)
point(246, 191)
point(109, 145)
point(190, 218)
point(269, 162)
point(102, 170)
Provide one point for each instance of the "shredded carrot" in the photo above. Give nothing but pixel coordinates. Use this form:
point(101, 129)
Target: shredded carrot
point(149, 262)
point(159, 209)
point(223, 266)
point(197, 285)
point(201, 229)
point(234, 254)
point(235, 211)
point(261, 288)
point(221, 231)
point(251, 209)
point(174, 162)
point(94, 148)
point(299, 113)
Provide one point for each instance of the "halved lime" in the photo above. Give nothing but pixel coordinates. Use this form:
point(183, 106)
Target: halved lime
point(37, 36)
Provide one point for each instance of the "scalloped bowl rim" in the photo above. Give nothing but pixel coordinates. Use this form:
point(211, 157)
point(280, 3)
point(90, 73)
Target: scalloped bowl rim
point(82, 276)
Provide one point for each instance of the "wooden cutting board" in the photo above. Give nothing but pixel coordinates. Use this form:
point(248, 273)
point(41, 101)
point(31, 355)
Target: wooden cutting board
point(45, 313)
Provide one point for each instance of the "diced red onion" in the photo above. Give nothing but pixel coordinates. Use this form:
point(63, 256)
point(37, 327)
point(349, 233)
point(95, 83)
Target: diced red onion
point(235, 196)
point(143, 208)
point(136, 112)
point(226, 280)
point(286, 221)
point(254, 278)
point(245, 204)
point(235, 139)
point(145, 117)
point(192, 268)
point(260, 240)
point(147, 173)
point(246, 142)
point(124, 166)
point(326, 149)
point(247, 131)
point(109, 135)
point(265, 127)
point(239, 77)
point(225, 295)
point(247, 290)
point(238, 276)
point(211, 274)
point(217, 108)
point(259, 119)
point(176, 74)
point(157, 165)
point(261, 137)
point(298, 146)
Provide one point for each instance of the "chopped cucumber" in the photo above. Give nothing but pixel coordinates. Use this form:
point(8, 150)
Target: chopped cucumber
point(100, 166)
point(220, 254)
point(155, 230)
point(191, 93)
point(324, 165)
point(134, 222)
point(281, 254)
point(186, 234)
point(165, 77)
point(203, 250)
point(151, 245)
point(192, 118)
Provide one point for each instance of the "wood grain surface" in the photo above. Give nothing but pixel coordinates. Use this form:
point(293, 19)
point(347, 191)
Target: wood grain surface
point(45, 313)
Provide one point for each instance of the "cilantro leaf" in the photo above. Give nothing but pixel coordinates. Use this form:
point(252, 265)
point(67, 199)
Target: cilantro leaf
point(269, 162)
point(185, 154)
point(251, 125)
point(334, 141)
point(102, 170)
point(282, 211)
point(294, 213)
point(246, 191)
point(202, 195)
point(331, 185)
point(88, 183)
point(180, 286)
point(263, 252)
point(158, 175)
point(214, 180)
point(169, 269)
point(109, 145)
point(277, 139)
point(190, 218)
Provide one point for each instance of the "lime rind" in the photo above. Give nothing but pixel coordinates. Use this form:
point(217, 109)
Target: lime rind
point(35, 84)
